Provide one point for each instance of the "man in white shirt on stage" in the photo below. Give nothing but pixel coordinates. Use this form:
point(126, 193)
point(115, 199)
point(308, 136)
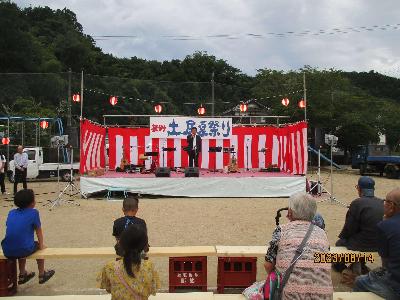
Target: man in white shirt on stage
point(194, 147)
point(21, 166)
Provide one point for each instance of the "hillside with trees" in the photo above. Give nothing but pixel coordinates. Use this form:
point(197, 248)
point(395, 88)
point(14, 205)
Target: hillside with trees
point(38, 47)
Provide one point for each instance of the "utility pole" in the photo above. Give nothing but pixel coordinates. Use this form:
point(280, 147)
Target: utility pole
point(81, 94)
point(69, 122)
point(305, 96)
point(8, 136)
point(212, 94)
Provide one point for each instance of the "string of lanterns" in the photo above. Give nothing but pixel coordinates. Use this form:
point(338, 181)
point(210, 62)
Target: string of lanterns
point(158, 108)
point(43, 124)
point(301, 103)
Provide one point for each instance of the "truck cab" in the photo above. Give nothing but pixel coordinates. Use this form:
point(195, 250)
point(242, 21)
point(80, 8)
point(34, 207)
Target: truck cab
point(361, 154)
point(376, 159)
point(38, 169)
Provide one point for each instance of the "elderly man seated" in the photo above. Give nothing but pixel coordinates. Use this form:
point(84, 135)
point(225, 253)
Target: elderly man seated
point(303, 278)
point(385, 281)
point(360, 232)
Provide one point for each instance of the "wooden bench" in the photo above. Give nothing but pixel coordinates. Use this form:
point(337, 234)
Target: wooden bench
point(189, 296)
point(251, 251)
point(109, 252)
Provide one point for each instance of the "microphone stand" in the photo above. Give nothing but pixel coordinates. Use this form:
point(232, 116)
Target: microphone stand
point(163, 156)
point(247, 155)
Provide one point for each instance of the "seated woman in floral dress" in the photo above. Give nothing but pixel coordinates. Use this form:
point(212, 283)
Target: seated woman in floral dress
point(131, 277)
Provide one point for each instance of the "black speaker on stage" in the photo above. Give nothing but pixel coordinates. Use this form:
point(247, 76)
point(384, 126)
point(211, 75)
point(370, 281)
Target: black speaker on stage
point(192, 172)
point(163, 172)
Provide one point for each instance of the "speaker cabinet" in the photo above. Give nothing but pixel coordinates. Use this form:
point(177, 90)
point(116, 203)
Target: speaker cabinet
point(163, 172)
point(192, 172)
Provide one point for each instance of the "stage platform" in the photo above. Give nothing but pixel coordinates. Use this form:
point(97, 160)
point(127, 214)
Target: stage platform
point(209, 184)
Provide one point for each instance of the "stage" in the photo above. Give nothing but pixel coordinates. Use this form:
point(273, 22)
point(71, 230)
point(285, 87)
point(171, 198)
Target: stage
point(212, 185)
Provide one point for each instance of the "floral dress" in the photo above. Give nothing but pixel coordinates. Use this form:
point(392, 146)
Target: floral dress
point(116, 281)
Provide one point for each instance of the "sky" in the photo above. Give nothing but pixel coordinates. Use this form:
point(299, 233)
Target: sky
point(248, 34)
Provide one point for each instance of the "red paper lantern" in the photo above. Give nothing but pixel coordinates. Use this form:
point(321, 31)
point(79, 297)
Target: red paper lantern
point(285, 101)
point(5, 140)
point(158, 108)
point(243, 107)
point(302, 103)
point(44, 124)
point(113, 100)
point(201, 110)
point(76, 98)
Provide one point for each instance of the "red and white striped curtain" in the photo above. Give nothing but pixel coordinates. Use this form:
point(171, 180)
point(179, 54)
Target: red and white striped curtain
point(92, 152)
point(285, 147)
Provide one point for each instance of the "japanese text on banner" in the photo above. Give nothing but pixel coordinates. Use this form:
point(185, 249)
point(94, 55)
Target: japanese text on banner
point(180, 127)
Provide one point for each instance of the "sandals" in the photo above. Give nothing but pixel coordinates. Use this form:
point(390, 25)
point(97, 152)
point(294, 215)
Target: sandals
point(24, 278)
point(46, 276)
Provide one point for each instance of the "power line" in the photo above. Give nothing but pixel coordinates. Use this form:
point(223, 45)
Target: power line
point(236, 36)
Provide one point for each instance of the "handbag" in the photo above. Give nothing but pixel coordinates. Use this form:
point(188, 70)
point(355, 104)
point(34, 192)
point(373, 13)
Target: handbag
point(272, 284)
point(299, 252)
point(262, 290)
point(255, 291)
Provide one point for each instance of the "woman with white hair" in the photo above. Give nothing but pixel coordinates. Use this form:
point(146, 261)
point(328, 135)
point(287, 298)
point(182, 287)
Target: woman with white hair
point(293, 249)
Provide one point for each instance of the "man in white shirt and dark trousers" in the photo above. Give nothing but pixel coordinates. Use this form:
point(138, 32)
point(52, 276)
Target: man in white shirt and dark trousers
point(2, 173)
point(21, 166)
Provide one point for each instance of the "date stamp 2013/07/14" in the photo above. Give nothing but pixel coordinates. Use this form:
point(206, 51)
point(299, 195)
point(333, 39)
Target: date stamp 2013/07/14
point(326, 257)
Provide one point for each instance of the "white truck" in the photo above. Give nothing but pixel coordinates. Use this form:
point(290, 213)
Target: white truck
point(38, 169)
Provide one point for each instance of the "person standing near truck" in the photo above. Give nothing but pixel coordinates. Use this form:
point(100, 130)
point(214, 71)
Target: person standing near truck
point(2, 173)
point(21, 166)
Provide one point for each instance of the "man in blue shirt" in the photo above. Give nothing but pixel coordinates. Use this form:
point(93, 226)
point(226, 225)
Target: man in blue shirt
point(385, 281)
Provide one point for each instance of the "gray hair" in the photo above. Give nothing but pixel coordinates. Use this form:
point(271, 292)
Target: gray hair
point(303, 206)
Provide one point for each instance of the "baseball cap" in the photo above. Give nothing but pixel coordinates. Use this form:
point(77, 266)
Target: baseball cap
point(367, 185)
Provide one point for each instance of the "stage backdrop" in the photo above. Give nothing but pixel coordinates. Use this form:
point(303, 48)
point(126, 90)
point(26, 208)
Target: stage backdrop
point(180, 127)
point(92, 155)
point(285, 146)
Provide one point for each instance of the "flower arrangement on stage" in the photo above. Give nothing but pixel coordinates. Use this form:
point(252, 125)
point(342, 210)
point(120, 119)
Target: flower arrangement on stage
point(96, 172)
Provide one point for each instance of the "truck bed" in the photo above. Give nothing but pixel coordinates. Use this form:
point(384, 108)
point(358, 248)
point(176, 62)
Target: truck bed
point(383, 159)
point(54, 166)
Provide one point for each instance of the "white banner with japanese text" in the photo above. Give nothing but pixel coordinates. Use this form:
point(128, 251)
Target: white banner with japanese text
point(180, 127)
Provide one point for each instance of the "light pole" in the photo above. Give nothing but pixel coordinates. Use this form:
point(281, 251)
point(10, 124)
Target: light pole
point(69, 100)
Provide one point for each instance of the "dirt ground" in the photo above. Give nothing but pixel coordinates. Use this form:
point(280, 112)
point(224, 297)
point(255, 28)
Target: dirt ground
point(171, 222)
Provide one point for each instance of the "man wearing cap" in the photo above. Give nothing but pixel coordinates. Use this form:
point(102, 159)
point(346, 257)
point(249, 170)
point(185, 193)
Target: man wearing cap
point(385, 281)
point(360, 231)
